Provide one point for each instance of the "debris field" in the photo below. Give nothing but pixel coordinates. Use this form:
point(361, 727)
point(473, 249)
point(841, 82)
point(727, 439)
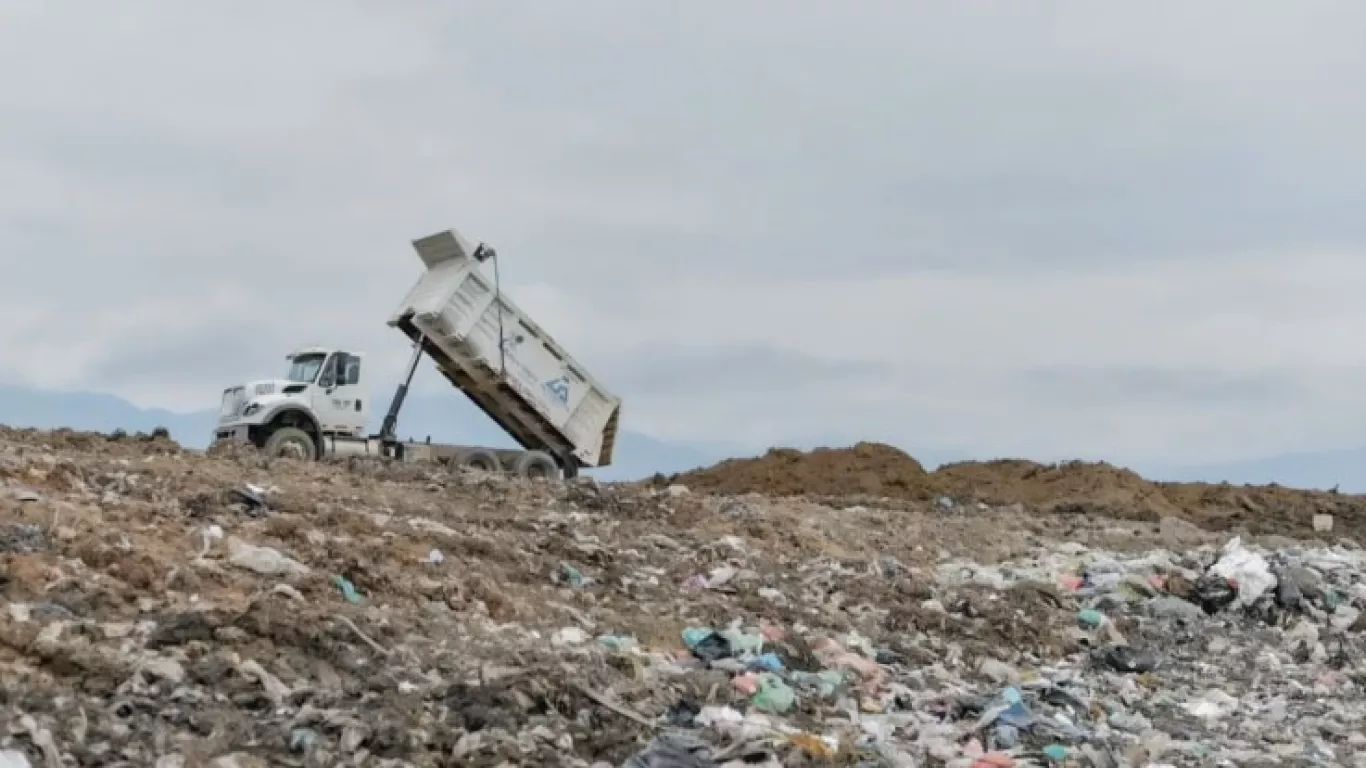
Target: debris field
point(160, 607)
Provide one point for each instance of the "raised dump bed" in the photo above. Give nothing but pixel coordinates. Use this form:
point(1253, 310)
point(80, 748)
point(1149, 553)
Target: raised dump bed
point(486, 346)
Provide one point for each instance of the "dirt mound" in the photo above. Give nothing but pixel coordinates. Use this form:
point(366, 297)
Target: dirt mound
point(866, 468)
point(1086, 486)
point(1075, 487)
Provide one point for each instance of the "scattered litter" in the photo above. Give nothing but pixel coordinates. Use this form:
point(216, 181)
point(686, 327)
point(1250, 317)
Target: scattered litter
point(869, 626)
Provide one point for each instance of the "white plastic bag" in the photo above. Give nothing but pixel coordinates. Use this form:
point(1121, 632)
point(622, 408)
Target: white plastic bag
point(1249, 570)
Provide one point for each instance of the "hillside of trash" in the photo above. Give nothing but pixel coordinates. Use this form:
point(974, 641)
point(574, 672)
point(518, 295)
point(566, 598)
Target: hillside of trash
point(165, 608)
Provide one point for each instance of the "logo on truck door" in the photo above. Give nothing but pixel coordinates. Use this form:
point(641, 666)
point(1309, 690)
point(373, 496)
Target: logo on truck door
point(558, 390)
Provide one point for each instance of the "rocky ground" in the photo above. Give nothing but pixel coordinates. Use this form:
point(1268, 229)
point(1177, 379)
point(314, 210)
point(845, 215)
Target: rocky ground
point(161, 608)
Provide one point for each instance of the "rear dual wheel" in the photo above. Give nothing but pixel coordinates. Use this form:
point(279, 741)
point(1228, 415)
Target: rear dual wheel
point(481, 459)
point(535, 465)
point(531, 465)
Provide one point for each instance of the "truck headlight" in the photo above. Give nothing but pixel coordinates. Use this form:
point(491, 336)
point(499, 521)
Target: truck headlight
point(251, 409)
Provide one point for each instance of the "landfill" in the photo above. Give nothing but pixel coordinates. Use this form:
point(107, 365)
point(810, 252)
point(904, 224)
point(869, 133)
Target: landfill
point(168, 608)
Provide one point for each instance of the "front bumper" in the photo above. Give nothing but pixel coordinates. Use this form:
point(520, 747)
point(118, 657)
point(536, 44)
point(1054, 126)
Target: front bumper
point(240, 433)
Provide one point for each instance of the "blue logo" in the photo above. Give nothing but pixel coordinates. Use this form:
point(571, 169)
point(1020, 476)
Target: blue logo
point(558, 389)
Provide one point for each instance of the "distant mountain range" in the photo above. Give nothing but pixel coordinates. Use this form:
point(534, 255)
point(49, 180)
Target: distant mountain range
point(453, 419)
point(443, 418)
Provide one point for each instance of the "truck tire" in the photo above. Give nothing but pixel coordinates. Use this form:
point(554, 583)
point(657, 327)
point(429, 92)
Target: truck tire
point(536, 465)
point(481, 459)
point(290, 442)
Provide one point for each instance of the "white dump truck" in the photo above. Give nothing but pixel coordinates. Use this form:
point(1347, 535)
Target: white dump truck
point(480, 341)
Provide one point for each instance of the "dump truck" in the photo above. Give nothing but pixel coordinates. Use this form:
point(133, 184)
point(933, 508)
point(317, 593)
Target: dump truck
point(480, 341)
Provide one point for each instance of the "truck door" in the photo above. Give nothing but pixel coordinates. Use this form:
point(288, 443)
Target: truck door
point(337, 398)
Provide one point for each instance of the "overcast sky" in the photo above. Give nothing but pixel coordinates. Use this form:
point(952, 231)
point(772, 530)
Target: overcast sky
point(1134, 231)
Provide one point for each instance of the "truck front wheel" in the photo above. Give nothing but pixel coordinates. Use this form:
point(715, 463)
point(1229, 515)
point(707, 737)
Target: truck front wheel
point(290, 442)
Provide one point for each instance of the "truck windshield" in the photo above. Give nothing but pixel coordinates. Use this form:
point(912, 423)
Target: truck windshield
point(305, 368)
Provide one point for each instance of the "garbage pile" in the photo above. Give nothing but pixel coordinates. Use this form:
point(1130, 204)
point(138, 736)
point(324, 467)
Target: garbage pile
point(167, 609)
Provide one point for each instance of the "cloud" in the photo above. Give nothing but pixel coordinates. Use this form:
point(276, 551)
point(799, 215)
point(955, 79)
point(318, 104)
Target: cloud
point(1132, 232)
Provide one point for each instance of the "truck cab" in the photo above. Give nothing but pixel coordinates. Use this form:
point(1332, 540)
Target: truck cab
point(323, 394)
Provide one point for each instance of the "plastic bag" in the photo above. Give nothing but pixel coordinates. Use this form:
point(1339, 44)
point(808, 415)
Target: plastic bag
point(1249, 570)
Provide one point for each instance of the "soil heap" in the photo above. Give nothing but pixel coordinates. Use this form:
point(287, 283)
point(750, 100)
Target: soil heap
point(880, 471)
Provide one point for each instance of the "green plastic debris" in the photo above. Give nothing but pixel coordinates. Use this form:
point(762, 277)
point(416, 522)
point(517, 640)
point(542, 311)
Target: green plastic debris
point(1055, 753)
point(348, 589)
point(774, 696)
point(694, 635)
point(1331, 600)
point(1091, 618)
point(572, 576)
point(618, 643)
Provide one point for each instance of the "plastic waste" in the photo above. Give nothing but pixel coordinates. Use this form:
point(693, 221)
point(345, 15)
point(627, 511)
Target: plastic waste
point(707, 644)
point(618, 643)
point(303, 740)
point(1005, 736)
point(572, 576)
point(1212, 705)
point(435, 557)
point(263, 560)
point(1214, 593)
point(812, 745)
point(13, 758)
point(774, 695)
point(253, 497)
point(1249, 570)
point(673, 750)
point(743, 643)
point(682, 714)
point(827, 684)
point(746, 684)
point(718, 717)
point(1055, 753)
point(1090, 618)
point(569, 636)
point(766, 662)
point(1288, 594)
point(348, 589)
point(721, 576)
point(1124, 658)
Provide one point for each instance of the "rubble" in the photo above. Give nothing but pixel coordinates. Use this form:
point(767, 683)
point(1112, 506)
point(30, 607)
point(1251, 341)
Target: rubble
point(370, 614)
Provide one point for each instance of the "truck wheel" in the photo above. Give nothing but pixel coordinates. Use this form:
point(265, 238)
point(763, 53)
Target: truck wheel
point(535, 465)
point(478, 458)
point(290, 442)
